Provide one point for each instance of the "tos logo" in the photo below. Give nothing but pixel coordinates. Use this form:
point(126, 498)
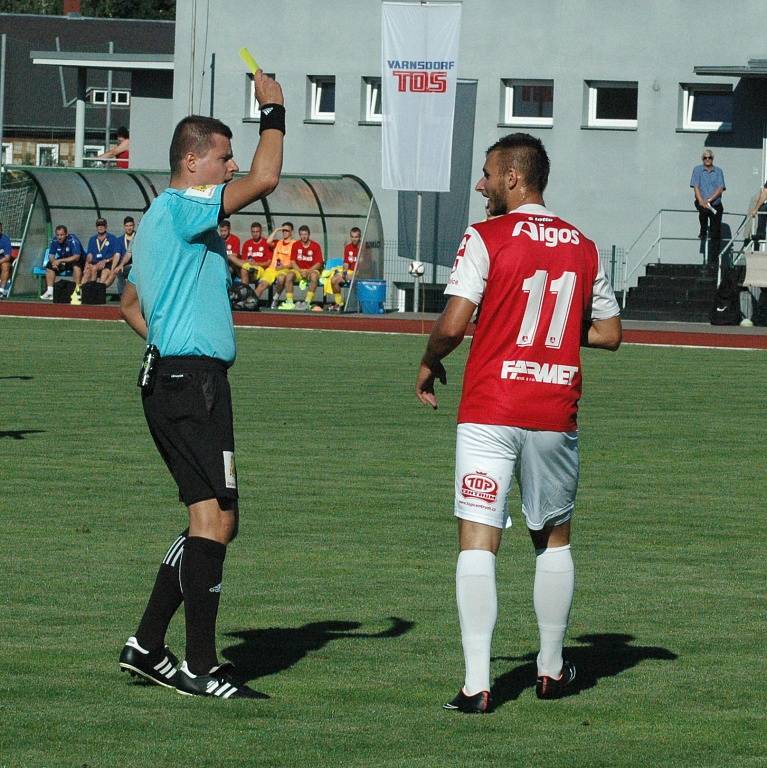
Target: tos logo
point(420, 82)
point(420, 76)
point(478, 485)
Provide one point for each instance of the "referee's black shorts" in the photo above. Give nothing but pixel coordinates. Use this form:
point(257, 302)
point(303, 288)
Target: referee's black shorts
point(189, 412)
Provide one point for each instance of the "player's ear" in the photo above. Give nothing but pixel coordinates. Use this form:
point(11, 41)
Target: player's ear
point(190, 162)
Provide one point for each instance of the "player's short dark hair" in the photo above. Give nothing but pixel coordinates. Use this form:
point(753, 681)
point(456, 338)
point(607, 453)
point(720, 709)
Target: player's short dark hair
point(255, 224)
point(287, 224)
point(123, 133)
point(225, 223)
point(192, 134)
point(129, 220)
point(355, 229)
point(304, 228)
point(526, 155)
point(61, 226)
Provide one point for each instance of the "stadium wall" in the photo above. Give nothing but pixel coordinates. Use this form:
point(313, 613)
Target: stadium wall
point(610, 181)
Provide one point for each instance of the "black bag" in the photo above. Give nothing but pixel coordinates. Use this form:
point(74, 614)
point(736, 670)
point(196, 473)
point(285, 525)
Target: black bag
point(62, 291)
point(760, 310)
point(243, 298)
point(726, 309)
point(94, 293)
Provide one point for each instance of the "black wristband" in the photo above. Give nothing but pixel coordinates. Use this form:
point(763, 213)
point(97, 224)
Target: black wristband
point(272, 116)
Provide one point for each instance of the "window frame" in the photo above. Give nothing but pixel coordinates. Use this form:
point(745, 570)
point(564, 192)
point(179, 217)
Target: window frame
point(117, 93)
point(6, 153)
point(592, 91)
point(371, 85)
point(508, 84)
point(314, 97)
point(688, 104)
point(252, 106)
point(56, 152)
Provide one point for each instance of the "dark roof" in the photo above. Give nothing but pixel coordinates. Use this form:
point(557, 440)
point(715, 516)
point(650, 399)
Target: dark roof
point(34, 102)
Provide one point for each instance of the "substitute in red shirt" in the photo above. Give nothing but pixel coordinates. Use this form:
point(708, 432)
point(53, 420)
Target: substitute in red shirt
point(255, 256)
point(306, 265)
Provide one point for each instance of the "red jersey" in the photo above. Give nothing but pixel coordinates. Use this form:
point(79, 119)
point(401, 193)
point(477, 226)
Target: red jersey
point(232, 245)
point(306, 255)
point(122, 159)
point(257, 252)
point(539, 282)
point(351, 252)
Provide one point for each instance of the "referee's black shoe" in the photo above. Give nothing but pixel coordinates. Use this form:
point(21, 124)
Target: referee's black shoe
point(157, 666)
point(218, 682)
point(478, 704)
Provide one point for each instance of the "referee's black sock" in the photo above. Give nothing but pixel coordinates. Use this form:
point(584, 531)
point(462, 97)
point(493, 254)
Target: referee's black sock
point(201, 574)
point(165, 598)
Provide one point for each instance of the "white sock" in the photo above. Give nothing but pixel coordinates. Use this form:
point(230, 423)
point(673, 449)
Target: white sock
point(477, 612)
point(552, 598)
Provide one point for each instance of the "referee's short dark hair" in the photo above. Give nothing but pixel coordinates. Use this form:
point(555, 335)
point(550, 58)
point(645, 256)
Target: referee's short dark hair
point(526, 155)
point(193, 134)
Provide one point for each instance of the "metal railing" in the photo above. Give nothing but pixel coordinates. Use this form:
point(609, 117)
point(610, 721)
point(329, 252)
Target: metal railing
point(648, 245)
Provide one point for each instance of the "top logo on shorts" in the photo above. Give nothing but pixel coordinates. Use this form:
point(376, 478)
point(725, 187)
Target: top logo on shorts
point(478, 485)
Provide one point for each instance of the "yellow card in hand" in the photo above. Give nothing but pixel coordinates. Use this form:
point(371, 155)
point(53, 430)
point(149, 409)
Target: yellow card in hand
point(249, 60)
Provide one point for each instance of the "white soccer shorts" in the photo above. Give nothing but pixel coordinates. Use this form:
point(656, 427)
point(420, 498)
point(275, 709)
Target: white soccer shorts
point(545, 464)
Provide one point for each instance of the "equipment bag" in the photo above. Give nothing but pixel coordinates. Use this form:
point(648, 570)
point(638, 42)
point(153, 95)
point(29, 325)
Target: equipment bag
point(94, 293)
point(726, 309)
point(62, 291)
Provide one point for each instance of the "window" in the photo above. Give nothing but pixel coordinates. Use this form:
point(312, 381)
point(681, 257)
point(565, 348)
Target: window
point(47, 154)
point(120, 97)
point(371, 100)
point(706, 107)
point(252, 107)
point(322, 98)
point(612, 104)
point(527, 102)
point(6, 158)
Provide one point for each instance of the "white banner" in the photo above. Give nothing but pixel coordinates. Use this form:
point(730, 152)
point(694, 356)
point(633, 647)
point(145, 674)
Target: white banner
point(419, 74)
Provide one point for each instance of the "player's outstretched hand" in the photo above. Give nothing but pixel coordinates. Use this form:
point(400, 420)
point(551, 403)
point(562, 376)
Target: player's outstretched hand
point(424, 384)
point(268, 90)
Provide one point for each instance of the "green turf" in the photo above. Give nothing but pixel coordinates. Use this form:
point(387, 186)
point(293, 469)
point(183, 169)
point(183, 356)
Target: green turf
point(338, 595)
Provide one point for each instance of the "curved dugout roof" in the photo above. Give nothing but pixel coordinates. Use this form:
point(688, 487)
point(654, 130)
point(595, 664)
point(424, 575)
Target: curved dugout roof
point(329, 205)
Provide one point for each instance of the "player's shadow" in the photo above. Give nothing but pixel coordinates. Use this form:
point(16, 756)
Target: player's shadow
point(263, 652)
point(604, 655)
point(19, 378)
point(19, 434)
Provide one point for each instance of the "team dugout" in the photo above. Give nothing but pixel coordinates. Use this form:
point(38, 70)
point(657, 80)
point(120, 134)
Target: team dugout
point(329, 205)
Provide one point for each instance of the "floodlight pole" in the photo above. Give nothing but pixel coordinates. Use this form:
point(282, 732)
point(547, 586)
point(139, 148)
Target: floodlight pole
point(418, 202)
point(82, 74)
point(2, 101)
point(108, 121)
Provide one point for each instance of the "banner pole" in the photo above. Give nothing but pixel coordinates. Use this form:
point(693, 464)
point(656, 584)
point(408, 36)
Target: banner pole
point(418, 196)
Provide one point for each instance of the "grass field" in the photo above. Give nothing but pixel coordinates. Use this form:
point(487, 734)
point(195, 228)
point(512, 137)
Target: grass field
point(338, 595)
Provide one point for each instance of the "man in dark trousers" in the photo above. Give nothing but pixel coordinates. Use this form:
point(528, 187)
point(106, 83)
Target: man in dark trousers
point(177, 299)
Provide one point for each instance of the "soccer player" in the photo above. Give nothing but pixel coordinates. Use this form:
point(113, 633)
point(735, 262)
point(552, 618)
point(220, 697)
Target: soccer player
point(6, 261)
point(277, 271)
point(123, 264)
point(542, 295)
point(103, 255)
point(256, 255)
point(177, 299)
point(306, 265)
point(344, 275)
point(232, 242)
point(65, 252)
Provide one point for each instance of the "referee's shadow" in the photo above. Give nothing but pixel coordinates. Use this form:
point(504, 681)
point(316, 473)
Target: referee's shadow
point(263, 652)
point(601, 655)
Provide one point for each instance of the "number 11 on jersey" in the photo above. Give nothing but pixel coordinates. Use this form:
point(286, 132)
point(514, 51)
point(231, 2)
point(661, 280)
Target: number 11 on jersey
point(535, 288)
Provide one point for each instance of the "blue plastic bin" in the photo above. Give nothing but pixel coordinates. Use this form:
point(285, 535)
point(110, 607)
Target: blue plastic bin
point(371, 295)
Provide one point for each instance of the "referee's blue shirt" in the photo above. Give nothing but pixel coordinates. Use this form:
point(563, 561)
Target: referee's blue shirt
point(181, 275)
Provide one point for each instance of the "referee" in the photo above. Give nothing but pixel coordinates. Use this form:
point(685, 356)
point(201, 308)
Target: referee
point(177, 299)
